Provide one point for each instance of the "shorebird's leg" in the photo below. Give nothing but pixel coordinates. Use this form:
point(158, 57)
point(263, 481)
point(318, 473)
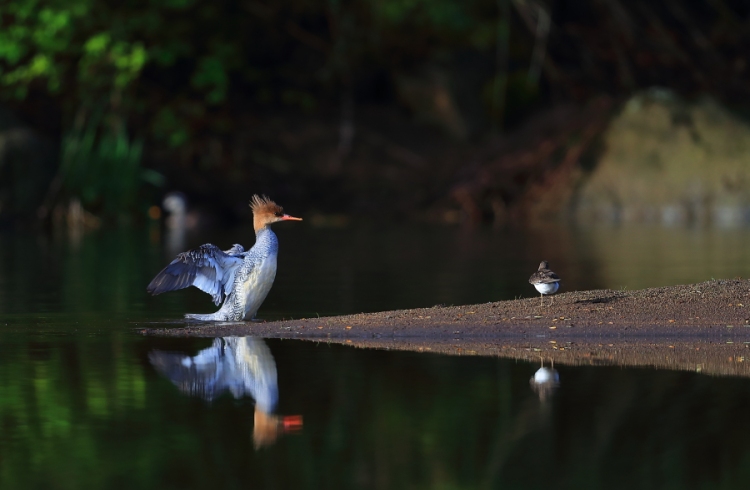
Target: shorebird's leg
point(541, 299)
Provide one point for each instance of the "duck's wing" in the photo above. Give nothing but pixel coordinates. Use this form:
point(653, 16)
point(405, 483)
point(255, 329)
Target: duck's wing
point(207, 267)
point(244, 366)
point(235, 250)
point(199, 375)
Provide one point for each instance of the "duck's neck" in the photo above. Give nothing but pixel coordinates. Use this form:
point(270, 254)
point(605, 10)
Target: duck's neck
point(266, 239)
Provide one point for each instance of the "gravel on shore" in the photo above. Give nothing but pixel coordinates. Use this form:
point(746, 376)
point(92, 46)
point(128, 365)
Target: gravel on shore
point(715, 308)
point(701, 327)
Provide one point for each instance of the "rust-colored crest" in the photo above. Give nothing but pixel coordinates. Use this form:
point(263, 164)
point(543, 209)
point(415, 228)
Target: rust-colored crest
point(264, 205)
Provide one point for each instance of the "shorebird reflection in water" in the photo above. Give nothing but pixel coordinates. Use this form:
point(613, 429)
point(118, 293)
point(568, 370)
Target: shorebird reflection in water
point(545, 281)
point(242, 279)
point(243, 366)
point(545, 381)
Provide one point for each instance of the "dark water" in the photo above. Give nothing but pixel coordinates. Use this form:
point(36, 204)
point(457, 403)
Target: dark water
point(85, 402)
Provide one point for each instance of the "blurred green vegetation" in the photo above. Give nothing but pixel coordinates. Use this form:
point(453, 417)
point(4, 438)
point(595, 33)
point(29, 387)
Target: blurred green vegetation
point(88, 49)
point(167, 74)
point(192, 90)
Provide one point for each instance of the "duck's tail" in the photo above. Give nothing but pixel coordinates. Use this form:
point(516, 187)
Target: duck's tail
point(208, 317)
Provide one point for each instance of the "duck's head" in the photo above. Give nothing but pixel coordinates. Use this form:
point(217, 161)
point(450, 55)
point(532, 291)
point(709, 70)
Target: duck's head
point(265, 212)
point(267, 427)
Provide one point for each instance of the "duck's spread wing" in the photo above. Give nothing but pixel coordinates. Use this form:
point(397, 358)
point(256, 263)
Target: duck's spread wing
point(199, 375)
point(207, 268)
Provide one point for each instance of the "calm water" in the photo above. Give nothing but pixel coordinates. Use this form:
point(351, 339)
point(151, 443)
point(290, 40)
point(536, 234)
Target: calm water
point(85, 402)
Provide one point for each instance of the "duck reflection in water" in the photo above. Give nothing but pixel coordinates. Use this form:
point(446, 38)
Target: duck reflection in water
point(545, 381)
point(243, 366)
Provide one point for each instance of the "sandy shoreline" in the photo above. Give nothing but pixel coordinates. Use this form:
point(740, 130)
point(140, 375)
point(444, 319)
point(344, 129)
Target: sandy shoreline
point(701, 327)
point(713, 308)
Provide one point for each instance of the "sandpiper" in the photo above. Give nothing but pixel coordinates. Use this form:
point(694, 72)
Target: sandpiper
point(545, 281)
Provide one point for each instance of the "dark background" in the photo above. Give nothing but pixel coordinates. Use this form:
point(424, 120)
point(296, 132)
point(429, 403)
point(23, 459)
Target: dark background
point(440, 110)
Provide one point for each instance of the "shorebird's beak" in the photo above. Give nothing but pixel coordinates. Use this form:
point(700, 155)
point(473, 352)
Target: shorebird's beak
point(286, 217)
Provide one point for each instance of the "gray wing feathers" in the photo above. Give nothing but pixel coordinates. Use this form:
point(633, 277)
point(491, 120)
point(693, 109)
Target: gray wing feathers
point(207, 268)
point(544, 277)
point(190, 377)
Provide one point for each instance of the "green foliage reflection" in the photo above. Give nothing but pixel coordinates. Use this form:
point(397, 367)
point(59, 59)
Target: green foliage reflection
point(102, 168)
point(89, 412)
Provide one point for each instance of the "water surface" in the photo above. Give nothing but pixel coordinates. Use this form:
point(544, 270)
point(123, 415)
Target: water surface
point(86, 402)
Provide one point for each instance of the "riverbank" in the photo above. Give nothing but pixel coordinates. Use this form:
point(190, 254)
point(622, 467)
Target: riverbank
point(701, 327)
point(718, 308)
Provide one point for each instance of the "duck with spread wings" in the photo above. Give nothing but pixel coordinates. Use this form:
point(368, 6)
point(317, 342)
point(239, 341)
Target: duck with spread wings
point(238, 277)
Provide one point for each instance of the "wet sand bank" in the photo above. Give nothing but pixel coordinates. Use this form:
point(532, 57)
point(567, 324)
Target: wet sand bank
point(700, 327)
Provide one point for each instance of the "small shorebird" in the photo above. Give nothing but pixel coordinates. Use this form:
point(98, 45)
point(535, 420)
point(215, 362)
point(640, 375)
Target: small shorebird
point(242, 279)
point(545, 281)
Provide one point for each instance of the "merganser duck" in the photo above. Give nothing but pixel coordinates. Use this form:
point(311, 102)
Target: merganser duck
point(242, 279)
point(545, 281)
point(244, 366)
